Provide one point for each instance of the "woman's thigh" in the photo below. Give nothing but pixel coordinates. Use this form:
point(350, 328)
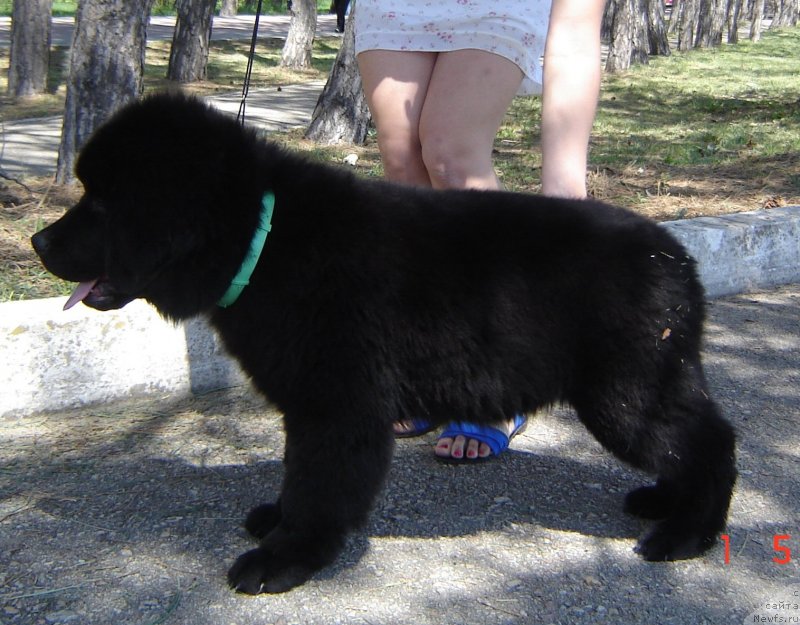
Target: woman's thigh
point(396, 84)
point(468, 95)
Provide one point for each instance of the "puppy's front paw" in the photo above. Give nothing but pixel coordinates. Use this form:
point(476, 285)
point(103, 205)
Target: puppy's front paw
point(260, 571)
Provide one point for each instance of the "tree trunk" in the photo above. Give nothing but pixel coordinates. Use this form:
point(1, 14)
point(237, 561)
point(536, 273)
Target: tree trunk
point(229, 8)
point(188, 56)
point(675, 17)
point(735, 11)
point(341, 114)
point(628, 34)
point(657, 28)
point(106, 66)
point(755, 23)
point(690, 12)
point(786, 14)
point(608, 21)
point(30, 47)
point(302, 28)
point(712, 23)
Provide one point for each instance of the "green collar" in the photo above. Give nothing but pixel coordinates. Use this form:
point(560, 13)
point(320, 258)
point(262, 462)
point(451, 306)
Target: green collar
point(242, 277)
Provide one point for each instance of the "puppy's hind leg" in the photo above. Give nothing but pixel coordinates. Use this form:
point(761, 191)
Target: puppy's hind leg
point(334, 471)
point(696, 475)
point(677, 434)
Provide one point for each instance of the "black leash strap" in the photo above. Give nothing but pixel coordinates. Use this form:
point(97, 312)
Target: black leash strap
point(249, 70)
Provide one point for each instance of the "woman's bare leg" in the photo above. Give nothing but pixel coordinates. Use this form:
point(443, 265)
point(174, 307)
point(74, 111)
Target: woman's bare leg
point(396, 85)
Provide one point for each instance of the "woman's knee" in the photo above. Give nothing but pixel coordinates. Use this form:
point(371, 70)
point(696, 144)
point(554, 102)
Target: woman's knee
point(443, 166)
point(455, 164)
point(402, 161)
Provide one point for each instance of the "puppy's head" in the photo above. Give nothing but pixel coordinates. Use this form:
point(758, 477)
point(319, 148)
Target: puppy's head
point(159, 178)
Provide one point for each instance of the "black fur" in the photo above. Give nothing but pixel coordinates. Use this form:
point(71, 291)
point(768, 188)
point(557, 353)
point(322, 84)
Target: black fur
point(374, 302)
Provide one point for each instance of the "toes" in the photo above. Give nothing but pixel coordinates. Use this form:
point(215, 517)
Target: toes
point(451, 447)
point(245, 575)
point(442, 448)
point(402, 427)
point(458, 448)
point(673, 541)
point(259, 571)
point(461, 447)
point(484, 451)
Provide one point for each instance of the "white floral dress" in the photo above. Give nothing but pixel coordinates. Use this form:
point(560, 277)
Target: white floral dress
point(514, 29)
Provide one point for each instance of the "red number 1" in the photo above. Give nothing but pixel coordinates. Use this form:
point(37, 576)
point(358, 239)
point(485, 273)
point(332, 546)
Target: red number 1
point(776, 540)
point(727, 540)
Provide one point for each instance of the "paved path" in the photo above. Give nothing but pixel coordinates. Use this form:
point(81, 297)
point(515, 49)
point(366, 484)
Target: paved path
point(30, 146)
point(239, 27)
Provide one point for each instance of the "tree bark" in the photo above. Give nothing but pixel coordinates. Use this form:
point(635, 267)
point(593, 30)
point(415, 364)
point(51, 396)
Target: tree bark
point(734, 12)
point(690, 12)
point(300, 40)
point(30, 47)
point(341, 114)
point(229, 8)
point(628, 34)
point(106, 66)
point(787, 14)
point(755, 23)
point(675, 17)
point(711, 24)
point(657, 28)
point(188, 56)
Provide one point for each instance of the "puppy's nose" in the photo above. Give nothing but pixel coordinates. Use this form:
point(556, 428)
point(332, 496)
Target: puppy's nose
point(40, 242)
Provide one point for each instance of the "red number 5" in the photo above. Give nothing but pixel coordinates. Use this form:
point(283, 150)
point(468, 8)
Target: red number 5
point(777, 546)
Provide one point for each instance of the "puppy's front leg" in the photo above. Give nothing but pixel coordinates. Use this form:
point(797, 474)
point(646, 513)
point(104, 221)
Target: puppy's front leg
point(334, 471)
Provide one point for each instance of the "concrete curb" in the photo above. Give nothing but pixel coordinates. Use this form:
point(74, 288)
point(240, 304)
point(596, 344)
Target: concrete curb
point(743, 251)
point(54, 360)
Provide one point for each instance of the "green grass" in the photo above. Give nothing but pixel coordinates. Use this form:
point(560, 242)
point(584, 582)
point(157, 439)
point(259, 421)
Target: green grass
point(59, 8)
point(228, 62)
point(226, 69)
point(710, 106)
point(728, 116)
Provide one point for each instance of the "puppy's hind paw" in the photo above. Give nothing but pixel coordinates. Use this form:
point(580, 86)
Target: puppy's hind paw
point(259, 571)
point(667, 543)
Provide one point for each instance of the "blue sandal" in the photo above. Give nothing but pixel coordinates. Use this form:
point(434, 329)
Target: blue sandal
point(497, 440)
point(418, 428)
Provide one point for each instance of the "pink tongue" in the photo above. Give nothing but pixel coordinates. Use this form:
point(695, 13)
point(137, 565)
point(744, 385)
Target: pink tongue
point(80, 292)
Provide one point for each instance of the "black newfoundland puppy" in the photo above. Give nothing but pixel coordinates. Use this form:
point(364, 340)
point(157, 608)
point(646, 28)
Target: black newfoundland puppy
point(372, 302)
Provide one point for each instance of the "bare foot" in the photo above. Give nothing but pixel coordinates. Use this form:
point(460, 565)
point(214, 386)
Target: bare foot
point(462, 446)
point(402, 428)
point(406, 428)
